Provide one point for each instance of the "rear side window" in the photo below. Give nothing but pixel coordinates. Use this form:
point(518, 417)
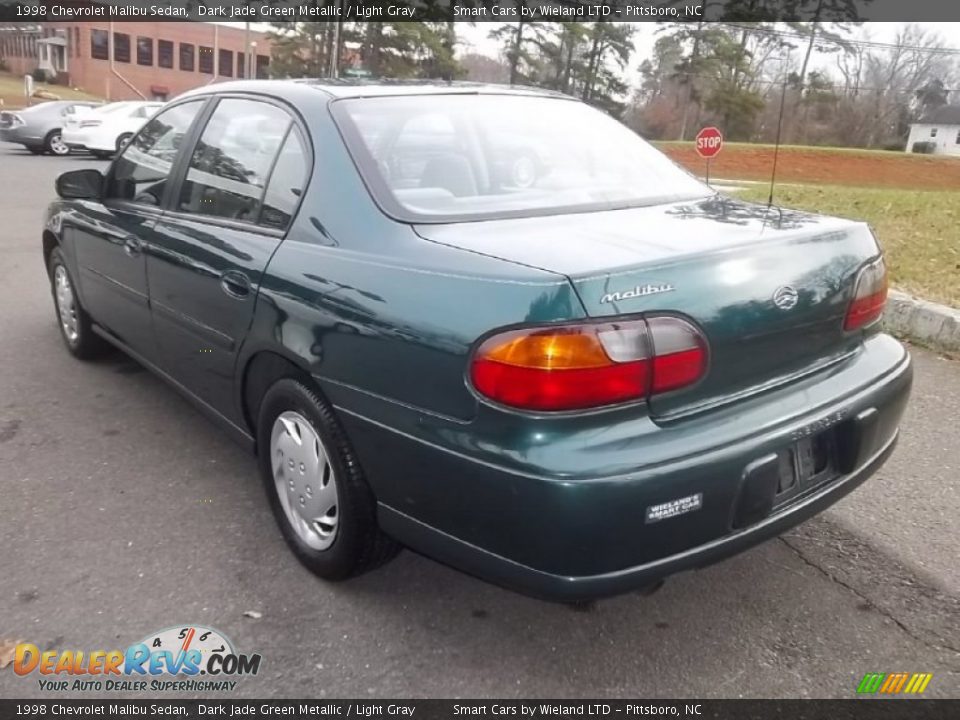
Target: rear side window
point(286, 184)
point(233, 159)
point(141, 172)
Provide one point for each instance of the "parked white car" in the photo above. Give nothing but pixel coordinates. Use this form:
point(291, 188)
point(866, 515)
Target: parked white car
point(106, 129)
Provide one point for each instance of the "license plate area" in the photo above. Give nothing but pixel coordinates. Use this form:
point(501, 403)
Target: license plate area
point(806, 464)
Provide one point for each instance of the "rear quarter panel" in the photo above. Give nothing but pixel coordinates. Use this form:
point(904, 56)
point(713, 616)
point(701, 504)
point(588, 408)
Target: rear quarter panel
point(381, 317)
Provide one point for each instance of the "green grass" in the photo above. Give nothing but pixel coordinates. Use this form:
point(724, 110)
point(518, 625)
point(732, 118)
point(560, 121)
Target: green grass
point(919, 230)
point(11, 92)
point(810, 148)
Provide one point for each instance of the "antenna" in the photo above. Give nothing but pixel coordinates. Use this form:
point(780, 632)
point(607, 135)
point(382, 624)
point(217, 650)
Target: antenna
point(776, 148)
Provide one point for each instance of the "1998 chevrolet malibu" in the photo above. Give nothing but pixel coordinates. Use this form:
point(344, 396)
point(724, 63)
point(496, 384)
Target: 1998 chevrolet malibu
point(490, 324)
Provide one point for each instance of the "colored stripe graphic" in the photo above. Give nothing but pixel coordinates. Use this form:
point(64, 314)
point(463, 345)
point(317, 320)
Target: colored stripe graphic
point(894, 683)
point(870, 683)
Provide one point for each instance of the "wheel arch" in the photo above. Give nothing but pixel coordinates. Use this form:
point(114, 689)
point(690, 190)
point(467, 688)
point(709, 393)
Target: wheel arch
point(50, 241)
point(261, 370)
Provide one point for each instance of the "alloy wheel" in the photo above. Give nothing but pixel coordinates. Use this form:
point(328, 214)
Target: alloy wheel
point(58, 146)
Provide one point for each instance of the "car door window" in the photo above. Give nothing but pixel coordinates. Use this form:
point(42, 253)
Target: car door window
point(232, 160)
point(141, 172)
point(286, 184)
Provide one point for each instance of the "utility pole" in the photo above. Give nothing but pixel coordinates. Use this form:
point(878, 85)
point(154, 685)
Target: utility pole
point(246, 50)
point(335, 55)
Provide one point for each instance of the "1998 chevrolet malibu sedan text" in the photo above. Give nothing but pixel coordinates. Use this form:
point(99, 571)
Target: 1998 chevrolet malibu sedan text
point(490, 324)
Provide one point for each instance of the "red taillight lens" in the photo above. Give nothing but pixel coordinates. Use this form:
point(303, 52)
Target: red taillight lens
point(575, 367)
point(869, 296)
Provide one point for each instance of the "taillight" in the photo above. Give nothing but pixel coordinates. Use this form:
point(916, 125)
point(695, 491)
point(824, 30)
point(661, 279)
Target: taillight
point(869, 296)
point(589, 365)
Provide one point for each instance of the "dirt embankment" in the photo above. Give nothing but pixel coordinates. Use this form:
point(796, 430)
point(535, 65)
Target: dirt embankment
point(825, 166)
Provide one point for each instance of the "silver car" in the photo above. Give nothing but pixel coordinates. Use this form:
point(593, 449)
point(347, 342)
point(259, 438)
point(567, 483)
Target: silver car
point(38, 128)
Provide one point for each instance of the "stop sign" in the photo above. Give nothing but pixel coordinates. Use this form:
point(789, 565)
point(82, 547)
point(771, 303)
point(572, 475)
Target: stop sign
point(709, 142)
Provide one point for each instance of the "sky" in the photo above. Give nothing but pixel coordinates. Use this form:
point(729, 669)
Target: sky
point(476, 38)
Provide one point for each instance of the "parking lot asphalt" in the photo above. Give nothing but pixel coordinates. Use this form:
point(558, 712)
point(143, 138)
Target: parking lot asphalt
point(123, 511)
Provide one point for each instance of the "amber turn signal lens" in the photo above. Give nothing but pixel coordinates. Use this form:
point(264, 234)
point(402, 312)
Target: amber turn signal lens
point(562, 350)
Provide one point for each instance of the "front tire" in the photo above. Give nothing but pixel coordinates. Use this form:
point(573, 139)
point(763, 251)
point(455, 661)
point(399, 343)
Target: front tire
point(55, 145)
point(315, 485)
point(73, 320)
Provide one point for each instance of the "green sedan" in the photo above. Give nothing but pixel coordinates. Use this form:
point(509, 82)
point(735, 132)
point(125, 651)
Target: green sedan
point(489, 324)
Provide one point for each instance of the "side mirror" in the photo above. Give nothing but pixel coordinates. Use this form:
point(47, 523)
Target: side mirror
point(86, 184)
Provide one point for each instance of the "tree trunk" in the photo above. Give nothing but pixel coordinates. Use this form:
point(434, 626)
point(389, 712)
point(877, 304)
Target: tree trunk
point(449, 41)
point(694, 55)
point(568, 63)
point(593, 64)
point(515, 54)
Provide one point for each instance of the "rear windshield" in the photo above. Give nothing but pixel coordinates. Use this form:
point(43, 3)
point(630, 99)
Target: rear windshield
point(442, 158)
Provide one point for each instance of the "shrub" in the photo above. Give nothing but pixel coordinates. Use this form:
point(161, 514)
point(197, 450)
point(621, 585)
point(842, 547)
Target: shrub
point(924, 147)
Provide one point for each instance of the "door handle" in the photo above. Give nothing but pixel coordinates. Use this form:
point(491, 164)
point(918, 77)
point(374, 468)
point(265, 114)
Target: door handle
point(235, 284)
point(132, 246)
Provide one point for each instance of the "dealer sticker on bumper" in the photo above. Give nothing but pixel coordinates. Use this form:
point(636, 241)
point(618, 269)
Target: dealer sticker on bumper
point(672, 508)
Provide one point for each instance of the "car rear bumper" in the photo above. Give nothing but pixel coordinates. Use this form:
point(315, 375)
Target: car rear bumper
point(21, 134)
point(566, 588)
point(556, 530)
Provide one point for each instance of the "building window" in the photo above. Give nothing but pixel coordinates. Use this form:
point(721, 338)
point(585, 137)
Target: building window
point(144, 51)
point(241, 65)
point(121, 47)
point(99, 45)
point(226, 63)
point(263, 67)
point(165, 53)
point(186, 57)
point(76, 42)
point(933, 132)
point(206, 60)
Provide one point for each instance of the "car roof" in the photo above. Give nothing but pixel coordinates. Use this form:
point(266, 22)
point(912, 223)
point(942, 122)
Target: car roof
point(357, 88)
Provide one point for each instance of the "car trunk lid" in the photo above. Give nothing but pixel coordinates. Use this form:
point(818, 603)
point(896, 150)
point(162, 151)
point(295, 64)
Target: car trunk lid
point(768, 288)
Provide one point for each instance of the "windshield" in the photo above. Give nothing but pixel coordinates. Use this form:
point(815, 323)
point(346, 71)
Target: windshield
point(463, 157)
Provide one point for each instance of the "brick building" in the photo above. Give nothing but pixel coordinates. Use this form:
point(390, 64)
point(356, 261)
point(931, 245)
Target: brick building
point(134, 60)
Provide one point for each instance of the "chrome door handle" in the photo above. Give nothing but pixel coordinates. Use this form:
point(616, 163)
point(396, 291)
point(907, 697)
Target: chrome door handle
point(132, 246)
point(235, 284)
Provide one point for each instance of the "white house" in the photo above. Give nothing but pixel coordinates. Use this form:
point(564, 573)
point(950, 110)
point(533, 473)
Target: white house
point(940, 127)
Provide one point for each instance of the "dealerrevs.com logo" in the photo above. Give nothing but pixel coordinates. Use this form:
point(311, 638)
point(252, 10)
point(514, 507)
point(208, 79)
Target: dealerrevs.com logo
point(183, 658)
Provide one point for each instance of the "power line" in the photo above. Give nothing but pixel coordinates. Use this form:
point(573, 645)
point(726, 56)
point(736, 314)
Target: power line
point(844, 42)
point(759, 81)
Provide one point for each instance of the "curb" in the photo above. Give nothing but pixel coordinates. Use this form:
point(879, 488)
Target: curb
point(931, 324)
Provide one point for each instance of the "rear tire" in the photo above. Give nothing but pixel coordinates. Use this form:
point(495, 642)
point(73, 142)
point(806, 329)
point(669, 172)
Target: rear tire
point(315, 485)
point(55, 145)
point(74, 322)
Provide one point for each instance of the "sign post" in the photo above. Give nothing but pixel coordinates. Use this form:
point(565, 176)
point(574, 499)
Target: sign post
point(709, 143)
